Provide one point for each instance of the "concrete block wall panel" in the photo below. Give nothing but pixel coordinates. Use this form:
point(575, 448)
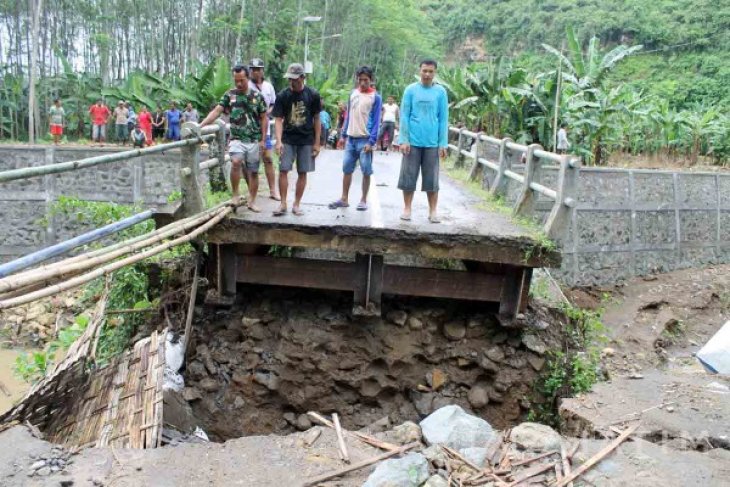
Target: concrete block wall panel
point(160, 177)
point(597, 189)
point(697, 226)
point(654, 261)
point(697, 190)
point(597, 268)
point(603, 230)
point(655, 228)
point(25, 203)
point(653, 191)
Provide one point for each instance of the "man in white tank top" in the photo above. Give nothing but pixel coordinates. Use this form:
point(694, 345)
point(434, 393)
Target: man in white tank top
point(390, 119)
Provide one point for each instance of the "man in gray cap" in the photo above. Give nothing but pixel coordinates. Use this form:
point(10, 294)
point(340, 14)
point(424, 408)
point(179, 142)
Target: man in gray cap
point(258, 83)
point(296, 112)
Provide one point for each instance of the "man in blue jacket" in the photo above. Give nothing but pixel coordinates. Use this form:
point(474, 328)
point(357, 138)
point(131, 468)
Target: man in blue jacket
point(424, 124)
point(361, 127)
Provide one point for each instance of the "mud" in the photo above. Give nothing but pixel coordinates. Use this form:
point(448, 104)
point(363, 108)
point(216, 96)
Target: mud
point(255, 369)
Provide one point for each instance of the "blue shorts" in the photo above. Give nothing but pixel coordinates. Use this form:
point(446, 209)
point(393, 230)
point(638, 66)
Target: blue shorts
point(354, 152)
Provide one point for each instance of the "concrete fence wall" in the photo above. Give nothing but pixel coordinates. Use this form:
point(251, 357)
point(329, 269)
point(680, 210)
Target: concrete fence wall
point(24, 203)
point(632, 222)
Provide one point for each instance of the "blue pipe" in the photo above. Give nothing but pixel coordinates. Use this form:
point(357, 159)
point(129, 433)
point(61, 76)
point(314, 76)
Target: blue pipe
point(66, 246)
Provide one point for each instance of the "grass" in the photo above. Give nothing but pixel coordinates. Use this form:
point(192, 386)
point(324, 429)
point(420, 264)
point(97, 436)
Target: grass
point(571, 369)
point(491, 203)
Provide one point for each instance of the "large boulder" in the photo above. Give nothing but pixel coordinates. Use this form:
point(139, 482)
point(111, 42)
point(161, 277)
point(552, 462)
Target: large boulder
point(535, 436)
point(409, 471)
point(453, 427)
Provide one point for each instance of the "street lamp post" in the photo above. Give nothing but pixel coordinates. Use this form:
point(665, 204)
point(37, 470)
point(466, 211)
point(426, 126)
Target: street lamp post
point(307, 20)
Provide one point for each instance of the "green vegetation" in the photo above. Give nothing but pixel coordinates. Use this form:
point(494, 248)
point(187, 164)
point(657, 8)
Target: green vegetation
point(574, 367)
point(669, 99)
point(129, 289)
point(498, 205)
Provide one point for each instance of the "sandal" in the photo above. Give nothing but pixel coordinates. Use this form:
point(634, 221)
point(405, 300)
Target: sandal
point(405, 217)
point(297, 211)
point(434, 219)
point(337, 204)
point(362, 206)
point(280, 212)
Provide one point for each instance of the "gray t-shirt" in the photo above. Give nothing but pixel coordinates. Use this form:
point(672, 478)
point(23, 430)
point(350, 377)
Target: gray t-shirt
point(190, 116)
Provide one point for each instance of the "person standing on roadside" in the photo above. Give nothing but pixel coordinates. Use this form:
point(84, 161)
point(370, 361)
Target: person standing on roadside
point(563, 143)
point(296, 112)
point(258, 83)
point(158, 123)
point(57, 119)
point(145, 123)
point(121, 114)
point(326, 121)
point(99, 117)
point(190, 114)
point(173, 116)
point(247, 111)
point(423, 138)
point(390, 119)
point(131, 117)
point(361, 129)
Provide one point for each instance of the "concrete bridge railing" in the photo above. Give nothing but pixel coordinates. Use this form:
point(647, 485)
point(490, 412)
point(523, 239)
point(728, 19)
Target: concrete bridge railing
point(612, 223)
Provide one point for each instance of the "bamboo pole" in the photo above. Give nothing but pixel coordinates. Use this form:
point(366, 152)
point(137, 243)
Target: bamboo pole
point(68, 245)
point(29, 172)
point(90, 276)
point(80, 263)
point(116, 246)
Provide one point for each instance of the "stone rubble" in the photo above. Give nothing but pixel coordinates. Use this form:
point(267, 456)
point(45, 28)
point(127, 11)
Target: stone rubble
point(49, 463)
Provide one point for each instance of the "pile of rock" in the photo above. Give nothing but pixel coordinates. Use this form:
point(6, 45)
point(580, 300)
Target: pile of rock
point(47, 463)
point(462, 449)
point(252, 364)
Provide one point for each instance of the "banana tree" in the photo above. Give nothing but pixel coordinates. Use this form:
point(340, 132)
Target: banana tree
point(588, 70)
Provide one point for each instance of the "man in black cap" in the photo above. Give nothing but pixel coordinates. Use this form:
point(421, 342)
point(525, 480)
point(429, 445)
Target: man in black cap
point(258, 83)
point(296, 112)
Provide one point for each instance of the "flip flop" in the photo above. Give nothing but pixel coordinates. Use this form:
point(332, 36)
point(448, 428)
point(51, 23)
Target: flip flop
point(405, 217)
point(280, 212)
point(434, 219)
point(254, 208)
point(274, 197)
point(338, 204)
point(297, 211)
point(362, 206)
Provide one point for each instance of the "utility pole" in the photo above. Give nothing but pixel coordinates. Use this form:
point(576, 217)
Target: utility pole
point(36, 7)
point(557, 99)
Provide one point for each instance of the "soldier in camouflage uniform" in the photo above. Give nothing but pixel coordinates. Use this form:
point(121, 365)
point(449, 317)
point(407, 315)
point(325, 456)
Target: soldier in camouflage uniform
point(247, 111)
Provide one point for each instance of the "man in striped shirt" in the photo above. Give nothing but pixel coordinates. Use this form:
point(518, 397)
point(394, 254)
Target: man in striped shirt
point(361, 127)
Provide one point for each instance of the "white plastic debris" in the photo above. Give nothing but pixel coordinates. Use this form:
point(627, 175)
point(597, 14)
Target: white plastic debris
point(715, 355)
point(200, 433)
point(174, 357)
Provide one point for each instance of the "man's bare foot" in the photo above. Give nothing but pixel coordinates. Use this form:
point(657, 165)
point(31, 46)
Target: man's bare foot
point(406, 215)
point(236, 200)
point(434, 218)
point(281, 211)
point(253, 208)
point(297, 211)
point(274, 197)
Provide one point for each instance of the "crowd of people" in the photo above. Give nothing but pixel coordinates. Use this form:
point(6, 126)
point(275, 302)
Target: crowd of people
point(418, 127)
point(136, 129)
point(364, 123)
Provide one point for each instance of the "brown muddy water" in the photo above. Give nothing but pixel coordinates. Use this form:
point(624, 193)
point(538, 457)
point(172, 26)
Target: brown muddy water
point(11, 387)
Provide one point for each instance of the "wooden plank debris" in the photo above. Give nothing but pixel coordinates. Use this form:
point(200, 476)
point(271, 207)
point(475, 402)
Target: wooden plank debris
point(363, 464)
point(598, 456)
point(344, 455)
